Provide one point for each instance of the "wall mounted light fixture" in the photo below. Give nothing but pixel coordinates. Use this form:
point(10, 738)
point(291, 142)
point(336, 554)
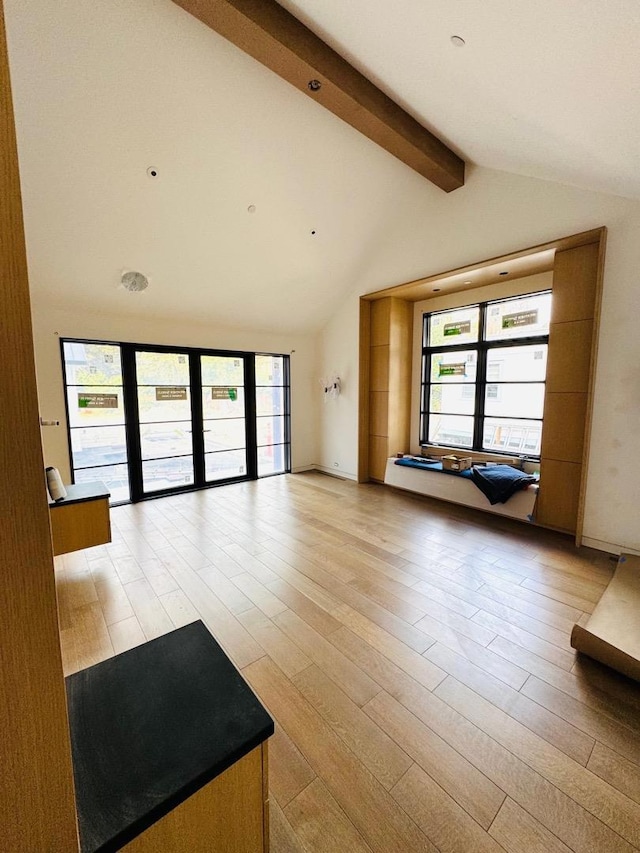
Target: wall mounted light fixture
point(331, 387)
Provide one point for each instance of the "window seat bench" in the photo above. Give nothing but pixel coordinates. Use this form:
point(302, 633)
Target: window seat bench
point(430, 480)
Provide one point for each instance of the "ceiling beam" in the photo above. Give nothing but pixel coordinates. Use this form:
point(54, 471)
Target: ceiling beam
point(274, 37)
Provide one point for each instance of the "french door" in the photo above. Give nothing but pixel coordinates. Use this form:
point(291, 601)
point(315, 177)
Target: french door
point(224, 417)
point(152, 420)
point(189, 426)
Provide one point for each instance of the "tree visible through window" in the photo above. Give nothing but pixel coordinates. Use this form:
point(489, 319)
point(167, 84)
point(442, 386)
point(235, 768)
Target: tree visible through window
point(483, 375)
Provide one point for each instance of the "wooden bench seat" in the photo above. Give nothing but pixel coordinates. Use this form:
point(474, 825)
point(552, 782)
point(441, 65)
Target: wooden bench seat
point(612, 634)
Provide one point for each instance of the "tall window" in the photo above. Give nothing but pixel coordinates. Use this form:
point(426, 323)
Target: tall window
point(483, 375)
point(272, 414)
point(96, 415)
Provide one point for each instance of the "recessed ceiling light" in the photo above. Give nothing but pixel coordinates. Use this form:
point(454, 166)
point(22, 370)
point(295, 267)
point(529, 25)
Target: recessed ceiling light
point(134, 282)
point(458, 41)
point(251, 208)
point(468, 281)
point(436, 290)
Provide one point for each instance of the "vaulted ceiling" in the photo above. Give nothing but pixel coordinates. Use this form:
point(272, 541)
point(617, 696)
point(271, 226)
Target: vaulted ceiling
point(266, 208)
point(546, 89)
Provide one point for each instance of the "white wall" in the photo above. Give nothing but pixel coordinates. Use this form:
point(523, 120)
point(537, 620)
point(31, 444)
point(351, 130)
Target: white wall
point(496, 213)
point(338, 446)
point(50, 324)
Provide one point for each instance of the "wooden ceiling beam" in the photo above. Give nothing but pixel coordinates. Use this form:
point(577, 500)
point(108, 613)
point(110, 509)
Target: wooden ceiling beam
point(274, 37)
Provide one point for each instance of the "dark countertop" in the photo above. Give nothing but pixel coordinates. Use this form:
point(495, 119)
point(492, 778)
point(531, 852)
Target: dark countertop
point(82, 492)
point(150, 727)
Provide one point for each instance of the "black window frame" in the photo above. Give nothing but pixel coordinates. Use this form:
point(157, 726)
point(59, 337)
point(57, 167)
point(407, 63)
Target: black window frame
point(286, 395)
point(131, 425)
point(483, 348)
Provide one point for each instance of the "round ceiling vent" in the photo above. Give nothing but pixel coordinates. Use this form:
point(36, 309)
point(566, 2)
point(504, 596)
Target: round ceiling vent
point(134, 281)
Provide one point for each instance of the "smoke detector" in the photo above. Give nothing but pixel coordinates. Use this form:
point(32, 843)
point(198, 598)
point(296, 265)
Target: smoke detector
point(134, 281)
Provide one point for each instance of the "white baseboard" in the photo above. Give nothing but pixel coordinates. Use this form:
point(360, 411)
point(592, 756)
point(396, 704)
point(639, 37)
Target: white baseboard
point(609, 547)
point(336, 472)
point(332, 472)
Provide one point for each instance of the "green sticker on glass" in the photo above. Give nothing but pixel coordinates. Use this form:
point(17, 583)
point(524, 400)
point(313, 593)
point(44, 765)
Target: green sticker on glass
point(522, 318)
point(458, 369)
point(461, 328)
point(97, 401)
point(222, 392)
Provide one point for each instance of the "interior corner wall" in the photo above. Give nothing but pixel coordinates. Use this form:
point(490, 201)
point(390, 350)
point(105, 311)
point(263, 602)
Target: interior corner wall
point(338, 355)
point(494, 214)
point(51, 324)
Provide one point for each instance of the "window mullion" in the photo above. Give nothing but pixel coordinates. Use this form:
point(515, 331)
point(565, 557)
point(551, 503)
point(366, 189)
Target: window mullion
point(424, 403)
point(481, 380)
point(132, 416)
point(197, 418)
point(426, 381)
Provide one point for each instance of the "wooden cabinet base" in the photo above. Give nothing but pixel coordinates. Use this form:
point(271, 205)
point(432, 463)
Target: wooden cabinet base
point(225, 816)
point(81, 520)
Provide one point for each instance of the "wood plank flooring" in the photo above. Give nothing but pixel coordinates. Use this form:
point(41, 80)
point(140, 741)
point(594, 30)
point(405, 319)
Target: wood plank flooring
point(414, 655)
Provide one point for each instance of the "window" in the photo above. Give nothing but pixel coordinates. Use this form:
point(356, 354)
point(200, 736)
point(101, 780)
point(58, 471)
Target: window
point(483, 375)
point(272, 414)
point(150, 420)
point(95, 415)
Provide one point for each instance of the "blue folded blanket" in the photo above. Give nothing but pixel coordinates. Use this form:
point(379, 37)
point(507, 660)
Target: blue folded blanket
point(499, 482)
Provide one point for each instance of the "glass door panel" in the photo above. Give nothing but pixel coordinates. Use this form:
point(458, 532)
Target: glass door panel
point(227, 434)
point(160, 440)
point(165, 423)
point(223, 465)
point(270, 430)
point(223, 417)
point(270, 401)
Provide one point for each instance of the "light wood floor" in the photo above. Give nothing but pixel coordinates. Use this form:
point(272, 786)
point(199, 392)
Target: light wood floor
point(415, 657)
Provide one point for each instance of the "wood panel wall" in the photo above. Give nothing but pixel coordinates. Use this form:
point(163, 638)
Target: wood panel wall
point(363, 390)
point(567, 405)
point(389, 382)
point(37, 810)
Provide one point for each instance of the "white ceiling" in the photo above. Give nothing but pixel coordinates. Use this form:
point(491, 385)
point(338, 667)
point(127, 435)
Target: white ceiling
point(547, 89)
point(104, 90)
